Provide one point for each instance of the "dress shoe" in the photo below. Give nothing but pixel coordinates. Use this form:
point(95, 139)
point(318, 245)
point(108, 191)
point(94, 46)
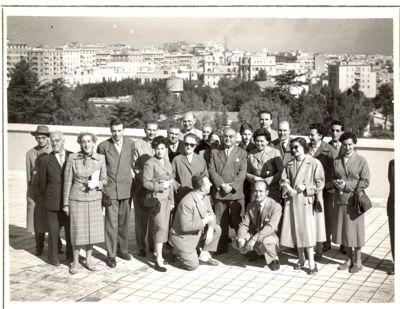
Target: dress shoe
point(355, 269)
point(39, 251)
point(312, 271)
point(327, 246)
point(111, 262)
point(298, 266)
point(90, 266)
point(253, 256)
point(318, 257)
point(344, 266)
point(124, 256)
point(159, 268)
point(74, 269)
point(343, 249)
point(54, 263)
point(274, 265)
point(154, 258)
point(142, 252)
point(209, 262)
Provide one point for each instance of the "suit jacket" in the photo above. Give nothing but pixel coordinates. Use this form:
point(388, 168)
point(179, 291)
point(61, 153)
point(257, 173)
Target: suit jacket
point(187, 225)
point(119, 182)
point(286, 154)
point(325, 155)
point(141, 154)
point(274, 134)
point(77, 174)
point(230, 170)
point(183, 171)
point(198, 132)
point(270, 216)
point(154, 174)
point(31, 169)
point(251, 146)
point(336, 151)
point(179, 150)
point(355, 174)
point(51, 180)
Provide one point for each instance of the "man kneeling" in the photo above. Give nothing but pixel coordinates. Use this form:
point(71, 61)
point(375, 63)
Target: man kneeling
point(195, 223)
point(257, 231)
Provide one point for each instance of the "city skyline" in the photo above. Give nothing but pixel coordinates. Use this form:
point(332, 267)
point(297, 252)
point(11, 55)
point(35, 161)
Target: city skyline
point(336, 36)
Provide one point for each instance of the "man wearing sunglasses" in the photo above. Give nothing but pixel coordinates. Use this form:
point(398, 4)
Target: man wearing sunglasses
point(187, 165)
point(227, 169)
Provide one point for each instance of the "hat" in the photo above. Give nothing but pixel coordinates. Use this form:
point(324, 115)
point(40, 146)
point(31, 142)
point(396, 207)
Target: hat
point(41, 130)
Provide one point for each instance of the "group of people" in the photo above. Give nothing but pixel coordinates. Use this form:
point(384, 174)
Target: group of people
point(190, 188)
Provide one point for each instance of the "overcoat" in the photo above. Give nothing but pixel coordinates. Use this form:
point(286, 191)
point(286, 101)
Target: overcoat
point(302, 226)
point(36, 217)
point(230, 170)
point(183, 171)
point(119, 174)
point(142, 152)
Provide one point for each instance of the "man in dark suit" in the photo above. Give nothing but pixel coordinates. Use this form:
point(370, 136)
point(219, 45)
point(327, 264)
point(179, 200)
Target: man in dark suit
point(118, 151)
point(324, 153)
point(282, 143)
point(51, 177)
point(195, 221)
point(227, 169)
point(257, 232)
point(174, 144)
point(337, 130)
point(187, 165)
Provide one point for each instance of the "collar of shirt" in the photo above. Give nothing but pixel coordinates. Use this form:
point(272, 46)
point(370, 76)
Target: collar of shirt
point(118, 143)
point(174, 147)
point(189, 157)
point(262, 205)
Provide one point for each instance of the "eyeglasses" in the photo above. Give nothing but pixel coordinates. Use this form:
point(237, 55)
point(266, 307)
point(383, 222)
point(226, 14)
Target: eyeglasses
point(190, 144)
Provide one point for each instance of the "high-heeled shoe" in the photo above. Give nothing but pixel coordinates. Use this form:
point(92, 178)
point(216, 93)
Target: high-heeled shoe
point(298, 266)
point(355, 269)
point(312, 271)
point(158, 267)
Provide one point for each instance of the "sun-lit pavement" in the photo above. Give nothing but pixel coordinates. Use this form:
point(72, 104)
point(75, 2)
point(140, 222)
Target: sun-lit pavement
point(236, 280)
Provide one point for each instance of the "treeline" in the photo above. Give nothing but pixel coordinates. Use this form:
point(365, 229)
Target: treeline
point(55, 103)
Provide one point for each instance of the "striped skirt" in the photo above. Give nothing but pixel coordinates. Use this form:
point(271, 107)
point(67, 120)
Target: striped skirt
point(87, 222)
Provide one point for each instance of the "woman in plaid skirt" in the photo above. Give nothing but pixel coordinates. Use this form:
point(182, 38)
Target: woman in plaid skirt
point(85, 175)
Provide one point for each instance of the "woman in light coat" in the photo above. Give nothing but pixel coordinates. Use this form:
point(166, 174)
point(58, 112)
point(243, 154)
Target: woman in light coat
point(351, 175)
point(158, 180)
point(302, 182)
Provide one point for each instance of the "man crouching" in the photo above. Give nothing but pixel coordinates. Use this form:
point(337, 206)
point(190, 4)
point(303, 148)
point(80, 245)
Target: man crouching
point(257, 231)
point(194, 223)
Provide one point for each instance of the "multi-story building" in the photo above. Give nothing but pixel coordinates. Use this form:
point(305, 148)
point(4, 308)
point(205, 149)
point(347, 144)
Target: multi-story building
point(47, 62)
point(88, 58)
point(15, 53)
point(71, 60)
point(344, 77)
point(319, 64)
point(177, 60)
point(211, 78)
point(250, 66)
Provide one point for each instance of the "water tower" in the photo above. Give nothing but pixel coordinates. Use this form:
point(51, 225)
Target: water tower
point(175, 85)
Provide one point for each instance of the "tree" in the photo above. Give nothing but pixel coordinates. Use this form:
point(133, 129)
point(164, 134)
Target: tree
point(287, 79)
point(261, 76)
point(249, 111)
point(383, 101)
point(23, 95)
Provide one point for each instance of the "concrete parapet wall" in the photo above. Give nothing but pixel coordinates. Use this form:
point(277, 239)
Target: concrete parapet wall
point(18, 141)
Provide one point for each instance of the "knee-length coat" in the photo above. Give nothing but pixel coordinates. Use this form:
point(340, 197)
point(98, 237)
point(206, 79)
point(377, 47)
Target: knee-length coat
point(302, 226)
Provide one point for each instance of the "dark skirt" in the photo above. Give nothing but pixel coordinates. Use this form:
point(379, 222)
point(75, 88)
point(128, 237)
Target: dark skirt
point(347, 231)
point(87, 222)
point(159, 223)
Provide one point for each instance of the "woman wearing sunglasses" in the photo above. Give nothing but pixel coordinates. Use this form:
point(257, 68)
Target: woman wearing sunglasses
point(303, 224)
point(157, 179)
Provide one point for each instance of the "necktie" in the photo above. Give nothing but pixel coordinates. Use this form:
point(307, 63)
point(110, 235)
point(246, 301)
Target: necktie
point(60, 155)
point(258, 218)
point(227, 152)
point(283, 146)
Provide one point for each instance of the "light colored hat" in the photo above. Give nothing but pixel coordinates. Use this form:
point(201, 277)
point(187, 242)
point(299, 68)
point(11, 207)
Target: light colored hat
point(41, 130)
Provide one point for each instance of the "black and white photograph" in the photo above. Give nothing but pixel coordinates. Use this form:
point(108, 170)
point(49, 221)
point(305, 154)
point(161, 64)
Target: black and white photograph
point(199, 154)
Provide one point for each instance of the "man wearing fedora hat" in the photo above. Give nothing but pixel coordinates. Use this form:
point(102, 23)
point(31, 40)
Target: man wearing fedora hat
point(36, 215)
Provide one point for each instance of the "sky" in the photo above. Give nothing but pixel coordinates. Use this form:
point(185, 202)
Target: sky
point(365, 36)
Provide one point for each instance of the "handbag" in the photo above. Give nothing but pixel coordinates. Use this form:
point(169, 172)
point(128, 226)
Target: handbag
point(362, 202)
point(151, 204)
point(316, 204)
point(105, 200)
